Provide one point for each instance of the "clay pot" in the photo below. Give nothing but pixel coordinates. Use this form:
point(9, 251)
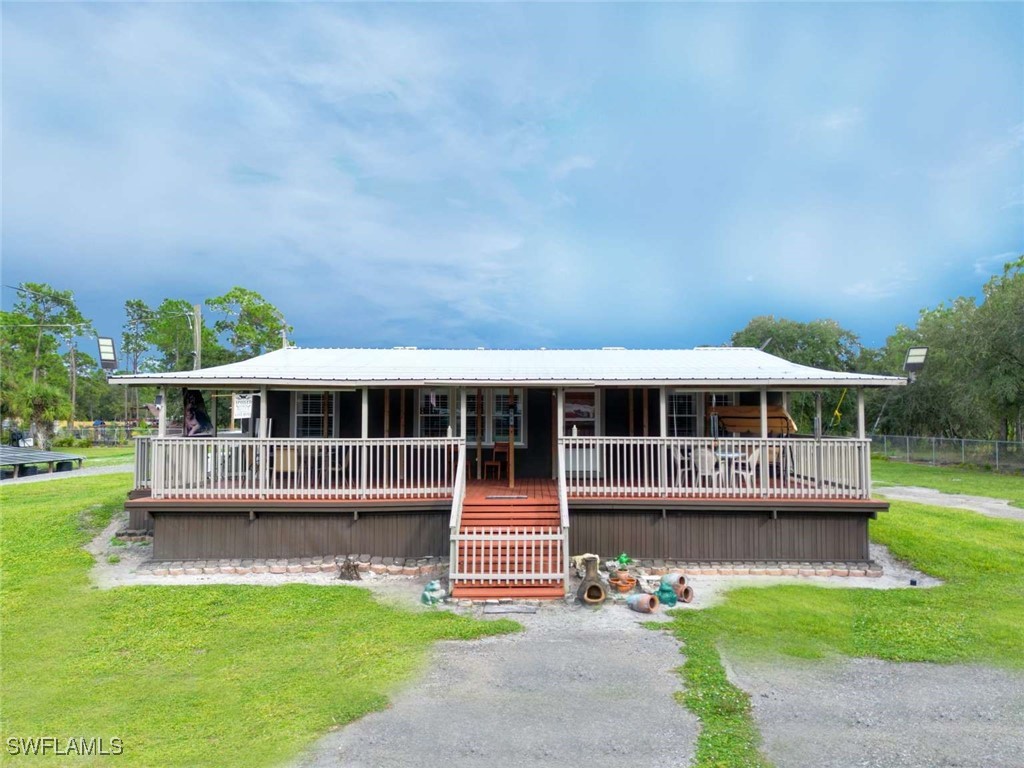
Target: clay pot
point(642, 603)
point(674, 579)
point(685, 594)
point(622, 582)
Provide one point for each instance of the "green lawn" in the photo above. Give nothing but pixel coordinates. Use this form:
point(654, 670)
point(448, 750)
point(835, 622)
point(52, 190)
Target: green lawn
point(977, 616)
point(967, 480)
point(103, 455)
point(212, 675)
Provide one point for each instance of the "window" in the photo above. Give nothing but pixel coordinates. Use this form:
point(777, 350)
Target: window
point(581, 413)
point(505, 410)
point(682, 414)
point(434, 410)
point(313, 414)
point(471, 419)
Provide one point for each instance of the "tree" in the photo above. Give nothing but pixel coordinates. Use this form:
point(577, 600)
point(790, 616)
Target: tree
point(47, 310)
point(252, 323)
point(134, 343)
point(819, 344)
point(999, 344)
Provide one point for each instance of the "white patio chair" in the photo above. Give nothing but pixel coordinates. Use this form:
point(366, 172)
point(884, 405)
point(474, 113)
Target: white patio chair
point(705, 468)
point(684, 466)
point(746, 469)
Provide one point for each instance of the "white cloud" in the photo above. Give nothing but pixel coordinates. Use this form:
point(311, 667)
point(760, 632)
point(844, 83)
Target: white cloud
point(571, 164)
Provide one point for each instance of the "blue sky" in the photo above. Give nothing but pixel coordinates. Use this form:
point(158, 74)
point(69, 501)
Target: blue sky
point(515, 175)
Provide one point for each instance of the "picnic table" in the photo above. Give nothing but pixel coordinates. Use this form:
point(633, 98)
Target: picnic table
point(25, 460)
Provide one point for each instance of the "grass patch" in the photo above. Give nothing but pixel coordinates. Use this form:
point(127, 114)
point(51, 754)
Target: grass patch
point(104, 455)
point(234, 675)
point(113, 559)
point(972, 481)
point(977, 616)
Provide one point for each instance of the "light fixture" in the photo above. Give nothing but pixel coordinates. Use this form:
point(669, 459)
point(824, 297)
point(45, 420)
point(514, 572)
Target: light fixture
point(108, 357)
point(915, 361)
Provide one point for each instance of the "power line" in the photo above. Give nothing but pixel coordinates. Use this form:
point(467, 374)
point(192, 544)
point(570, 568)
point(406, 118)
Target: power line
point(51, 296)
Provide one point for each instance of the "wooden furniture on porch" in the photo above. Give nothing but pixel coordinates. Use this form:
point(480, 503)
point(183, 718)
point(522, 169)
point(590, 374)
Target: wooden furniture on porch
point(499, 458)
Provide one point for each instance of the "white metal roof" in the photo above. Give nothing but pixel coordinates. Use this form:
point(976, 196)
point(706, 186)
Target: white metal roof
point(735, 367)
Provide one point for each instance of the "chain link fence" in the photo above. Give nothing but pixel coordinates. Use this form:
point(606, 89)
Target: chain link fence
point(1001, 455)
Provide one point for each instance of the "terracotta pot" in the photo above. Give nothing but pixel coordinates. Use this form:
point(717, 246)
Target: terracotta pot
point(642, 603)
point(685, 594)
point(674, 579)
point(623, 583)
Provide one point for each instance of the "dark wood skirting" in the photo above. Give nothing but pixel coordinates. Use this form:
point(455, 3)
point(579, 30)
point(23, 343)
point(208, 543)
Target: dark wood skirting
point(696, 530)
point(725, 536)
point(214, 535)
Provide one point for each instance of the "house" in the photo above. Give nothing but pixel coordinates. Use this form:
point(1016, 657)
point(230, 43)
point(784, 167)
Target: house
point(682, 454)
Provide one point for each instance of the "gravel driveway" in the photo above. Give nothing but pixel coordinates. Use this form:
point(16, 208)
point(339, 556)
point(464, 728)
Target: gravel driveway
point(981, 504)
point(580, 687)
point(878, 714)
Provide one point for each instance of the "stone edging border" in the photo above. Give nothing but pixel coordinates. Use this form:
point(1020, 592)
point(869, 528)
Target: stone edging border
point(391, 566)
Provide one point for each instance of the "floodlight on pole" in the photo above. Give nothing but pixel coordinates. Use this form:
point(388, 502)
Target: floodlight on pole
point(108, 357)
point(914, 361)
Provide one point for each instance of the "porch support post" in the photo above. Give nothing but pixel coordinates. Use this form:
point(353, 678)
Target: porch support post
point(511, 438)
point(663, 433)
point(762, 465)
point(559, 431)
point(264, 430)
point(365, 433)
point(865, 452)
point(462, 413)
point(161, 429)
point(262, 451)
point(646, 413)
point(479, 433)
point(818, 426)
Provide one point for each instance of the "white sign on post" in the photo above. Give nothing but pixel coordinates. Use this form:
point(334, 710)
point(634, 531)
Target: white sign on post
point(241, 407)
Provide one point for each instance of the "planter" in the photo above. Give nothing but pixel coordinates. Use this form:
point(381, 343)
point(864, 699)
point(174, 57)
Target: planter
point(685, 594)
point(622, 583)
point(642, 603)
point(673, 579)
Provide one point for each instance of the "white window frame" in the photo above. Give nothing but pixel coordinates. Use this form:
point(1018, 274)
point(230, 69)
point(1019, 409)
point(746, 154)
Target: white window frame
point(489, 397)
point(331, 415)
point(694, 417)
point(448, 392)
point(598, 411)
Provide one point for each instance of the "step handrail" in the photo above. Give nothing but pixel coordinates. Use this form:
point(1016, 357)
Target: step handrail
point(458, 497)
point(563, 511)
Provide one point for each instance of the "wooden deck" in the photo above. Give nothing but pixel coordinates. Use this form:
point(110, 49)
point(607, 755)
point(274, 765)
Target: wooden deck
point(492, 509)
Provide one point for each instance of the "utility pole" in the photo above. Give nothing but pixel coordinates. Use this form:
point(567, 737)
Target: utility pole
point(197, 336)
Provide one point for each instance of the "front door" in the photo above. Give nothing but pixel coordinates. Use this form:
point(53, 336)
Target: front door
point(582, 419)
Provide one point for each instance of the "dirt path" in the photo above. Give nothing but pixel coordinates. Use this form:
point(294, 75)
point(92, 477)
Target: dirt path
point(980, 504)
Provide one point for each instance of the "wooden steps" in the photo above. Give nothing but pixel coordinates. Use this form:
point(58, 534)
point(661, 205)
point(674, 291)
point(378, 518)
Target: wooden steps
point(485, 517)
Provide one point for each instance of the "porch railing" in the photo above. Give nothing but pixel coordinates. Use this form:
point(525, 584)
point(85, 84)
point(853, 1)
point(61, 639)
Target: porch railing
point(252, 468)
point(508, 555)
point(772, 468)
point(143, 462)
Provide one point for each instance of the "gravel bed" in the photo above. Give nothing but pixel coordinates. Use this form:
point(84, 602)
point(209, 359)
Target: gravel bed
point(867, 713)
